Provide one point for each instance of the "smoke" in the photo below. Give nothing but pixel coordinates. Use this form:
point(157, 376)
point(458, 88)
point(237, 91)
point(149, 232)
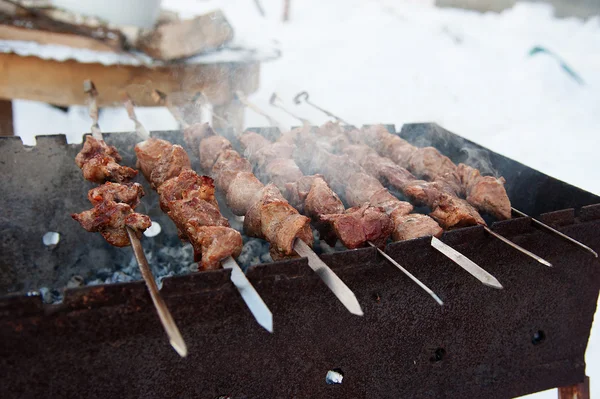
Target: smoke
point(479, 158)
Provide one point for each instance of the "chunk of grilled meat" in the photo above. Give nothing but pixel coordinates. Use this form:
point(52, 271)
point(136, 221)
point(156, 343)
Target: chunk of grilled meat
point(212, 244)
point(485, 192)
point(110, 219)
point(272, 218)
point(148, 153)
point(414, 225)
point(186, 185)
point(361, 224)
point(100, 163)
point(129, 194)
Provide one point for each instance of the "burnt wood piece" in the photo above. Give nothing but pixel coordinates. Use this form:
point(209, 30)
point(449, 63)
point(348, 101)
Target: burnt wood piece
point(106, 341)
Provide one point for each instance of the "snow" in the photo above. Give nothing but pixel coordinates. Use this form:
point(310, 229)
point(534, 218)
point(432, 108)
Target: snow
point(406, 61)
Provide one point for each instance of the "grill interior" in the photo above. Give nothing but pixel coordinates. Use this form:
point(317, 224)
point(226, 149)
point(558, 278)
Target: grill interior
point(528, 337)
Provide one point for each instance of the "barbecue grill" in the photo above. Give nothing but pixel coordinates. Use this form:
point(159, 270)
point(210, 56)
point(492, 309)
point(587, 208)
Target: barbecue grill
point(104, 340)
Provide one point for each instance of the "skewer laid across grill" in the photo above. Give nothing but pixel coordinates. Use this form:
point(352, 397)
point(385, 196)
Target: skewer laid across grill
point(304, 97)
point(425, 168)
point(365, 189)
point(188, 199)
point(113, 214)
point(266, 213)
point(354, 227)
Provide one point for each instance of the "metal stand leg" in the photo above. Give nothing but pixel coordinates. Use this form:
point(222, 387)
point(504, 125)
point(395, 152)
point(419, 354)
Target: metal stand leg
point(6, 118)
point(579, 391)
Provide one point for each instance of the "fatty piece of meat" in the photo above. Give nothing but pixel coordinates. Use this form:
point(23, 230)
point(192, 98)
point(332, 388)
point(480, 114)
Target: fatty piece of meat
point(110, 219)
point(414, 225)
point(359, 225)
point(312, 196)
point(195, 134)
point(228, 165)
point(360, 187)
point(129, 194)
point(384, 199)
point(281, 171)
point(252, 142)
point(271, 153)
point(99, 163)
point(487, 193)
point(275, 220)
point(148, 153)
point(212, 244)
point(170, 165)
point(242, 193)
point(210, 149)
point(186, 185)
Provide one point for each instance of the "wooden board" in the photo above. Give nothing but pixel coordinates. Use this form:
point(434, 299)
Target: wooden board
point(8, 32)
point(60, 83)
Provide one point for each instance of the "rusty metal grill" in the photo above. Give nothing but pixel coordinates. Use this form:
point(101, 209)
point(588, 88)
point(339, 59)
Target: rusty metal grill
point(105, 341)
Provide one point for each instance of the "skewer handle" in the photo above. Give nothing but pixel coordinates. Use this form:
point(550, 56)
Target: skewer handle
point(558, 233)
point(166, 319)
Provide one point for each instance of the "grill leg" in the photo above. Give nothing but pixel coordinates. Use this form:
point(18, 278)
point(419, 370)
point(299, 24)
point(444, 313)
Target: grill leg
point(6, 118)
point(579, 391)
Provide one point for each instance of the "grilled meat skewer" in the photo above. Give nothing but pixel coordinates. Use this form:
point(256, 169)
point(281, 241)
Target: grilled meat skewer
point(113, 214)
point(189, 201)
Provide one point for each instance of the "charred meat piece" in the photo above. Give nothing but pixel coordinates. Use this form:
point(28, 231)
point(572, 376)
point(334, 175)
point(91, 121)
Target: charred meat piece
point(182, 211)
point(186, 185)
point(170, 165)
point(149, 153)
point(358, 225)
point(275, 220)
point(212, 244)
point(100, 163)
point(129, 194)
point(110, 219)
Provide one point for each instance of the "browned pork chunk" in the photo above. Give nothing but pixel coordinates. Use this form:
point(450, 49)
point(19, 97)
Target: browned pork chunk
point(414, 225)
point(170, 165)
point(228, 165)
point(149, 153)
point(100, 163)
point(243, 191)
point(487, 193)
point(129, 194)
point(210, 148)
point(275, 220)
point(212, 244)
point(186, 185)
point(110, 219)
point(358, 225)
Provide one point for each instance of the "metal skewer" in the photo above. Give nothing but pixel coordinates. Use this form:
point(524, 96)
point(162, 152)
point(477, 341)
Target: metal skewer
point(333, 282)
point(253, 301)
point(464, 262)
point(278, 103)
point(175, 338)
point(558, 233)
point(304, 96)
point(244, 100)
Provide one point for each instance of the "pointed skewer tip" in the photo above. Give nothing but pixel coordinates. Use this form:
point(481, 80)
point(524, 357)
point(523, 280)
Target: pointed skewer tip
point(179, 347)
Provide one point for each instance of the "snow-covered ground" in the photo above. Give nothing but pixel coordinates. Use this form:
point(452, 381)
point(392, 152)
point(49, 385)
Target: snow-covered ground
point(406, 61)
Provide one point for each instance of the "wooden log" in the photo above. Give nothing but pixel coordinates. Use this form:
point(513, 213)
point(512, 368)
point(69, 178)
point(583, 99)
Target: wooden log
point(60, 83)
point(183, 39)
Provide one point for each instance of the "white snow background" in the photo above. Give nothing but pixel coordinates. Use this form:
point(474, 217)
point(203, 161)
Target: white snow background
point(407, 61)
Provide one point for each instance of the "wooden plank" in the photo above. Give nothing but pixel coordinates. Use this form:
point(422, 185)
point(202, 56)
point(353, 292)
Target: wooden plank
point(579, 391)
point(182, 39)
point(60, 83)
point(6, 118)
point(8, 32)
